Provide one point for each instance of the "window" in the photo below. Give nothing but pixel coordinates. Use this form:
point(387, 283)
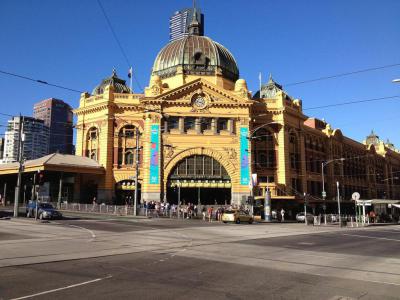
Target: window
point(93, 134)
point(189, 124)
point(126, 145)
point(206, 124)
point(129, 157)
point(173, 123)
point(294, 151)
point(222, 124)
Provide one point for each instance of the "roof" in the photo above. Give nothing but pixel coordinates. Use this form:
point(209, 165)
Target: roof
point(198, 55)
point(56, 162)
point(117, 83)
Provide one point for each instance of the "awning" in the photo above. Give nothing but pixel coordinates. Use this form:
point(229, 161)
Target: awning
point(56, 162)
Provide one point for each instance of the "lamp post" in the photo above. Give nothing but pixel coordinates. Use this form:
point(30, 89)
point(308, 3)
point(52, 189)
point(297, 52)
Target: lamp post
point(323, 165)
point(338, 201)
point(267, 198)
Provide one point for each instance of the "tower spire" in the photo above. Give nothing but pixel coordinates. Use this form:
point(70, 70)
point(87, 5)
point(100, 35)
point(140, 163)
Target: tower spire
point(194, 27)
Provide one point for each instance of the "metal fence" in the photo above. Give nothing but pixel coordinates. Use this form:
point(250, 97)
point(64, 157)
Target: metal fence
point(127, 210)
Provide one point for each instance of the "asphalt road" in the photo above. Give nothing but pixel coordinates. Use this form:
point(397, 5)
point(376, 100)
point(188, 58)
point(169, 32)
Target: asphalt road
point(198, 260)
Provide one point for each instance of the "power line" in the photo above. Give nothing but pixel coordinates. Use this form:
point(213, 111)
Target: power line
point(342, 74)
point(40, 81)
point(352, 102)
point(118, 42)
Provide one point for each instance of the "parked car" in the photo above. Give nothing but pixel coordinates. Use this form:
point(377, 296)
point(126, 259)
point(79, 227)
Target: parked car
point(237, 216)
point(300, 217)
point(44, 210)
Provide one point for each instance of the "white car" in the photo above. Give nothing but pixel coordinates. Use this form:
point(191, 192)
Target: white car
point(300, 217)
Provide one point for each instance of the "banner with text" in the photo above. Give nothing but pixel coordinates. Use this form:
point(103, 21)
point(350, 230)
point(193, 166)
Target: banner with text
point(244, 156)
point(155, 154)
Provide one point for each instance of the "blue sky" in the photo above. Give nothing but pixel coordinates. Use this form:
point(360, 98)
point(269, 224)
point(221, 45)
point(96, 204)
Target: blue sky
point(68, 42)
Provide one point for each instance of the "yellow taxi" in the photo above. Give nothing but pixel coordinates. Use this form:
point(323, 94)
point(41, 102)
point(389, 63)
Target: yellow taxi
point(237, 216)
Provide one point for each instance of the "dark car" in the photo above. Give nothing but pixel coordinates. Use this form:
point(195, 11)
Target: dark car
point(44, 211)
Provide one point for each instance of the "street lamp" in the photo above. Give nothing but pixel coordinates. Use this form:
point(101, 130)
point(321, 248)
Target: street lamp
point(323, 165)
point(267, 198)
point(259, 127)
point(387, 179)
point(338, 201)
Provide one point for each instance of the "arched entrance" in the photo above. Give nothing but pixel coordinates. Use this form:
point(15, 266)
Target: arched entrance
point(199, 179)
point(125, 192)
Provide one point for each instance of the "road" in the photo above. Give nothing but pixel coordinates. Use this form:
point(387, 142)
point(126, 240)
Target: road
point(181, 259)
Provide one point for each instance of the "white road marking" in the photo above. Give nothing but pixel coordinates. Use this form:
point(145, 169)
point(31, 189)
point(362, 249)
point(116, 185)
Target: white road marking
point(62, 288)
point(306, 243)
point(90, 231)
point(371, 237)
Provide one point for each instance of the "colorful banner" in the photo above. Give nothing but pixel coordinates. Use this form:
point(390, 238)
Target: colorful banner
point(244, 156)
point(155, 154)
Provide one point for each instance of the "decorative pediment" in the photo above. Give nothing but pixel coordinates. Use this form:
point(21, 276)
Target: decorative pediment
point(202, 94)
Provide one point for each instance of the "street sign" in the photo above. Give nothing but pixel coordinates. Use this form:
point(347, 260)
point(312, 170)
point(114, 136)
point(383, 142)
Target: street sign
point(355, 196)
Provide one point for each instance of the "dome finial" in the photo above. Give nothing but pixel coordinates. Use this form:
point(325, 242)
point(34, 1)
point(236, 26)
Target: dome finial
point(194, 27)
point(114, 73)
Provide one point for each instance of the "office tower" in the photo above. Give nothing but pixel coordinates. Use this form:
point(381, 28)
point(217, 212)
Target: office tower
point(180, 21)
point(35, 137)
point(57, 115)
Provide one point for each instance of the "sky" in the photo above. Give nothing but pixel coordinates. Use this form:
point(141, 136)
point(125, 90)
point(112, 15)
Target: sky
point(69, 43)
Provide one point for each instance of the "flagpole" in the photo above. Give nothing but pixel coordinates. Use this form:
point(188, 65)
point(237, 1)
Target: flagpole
point(131, 72)
point(260, 79)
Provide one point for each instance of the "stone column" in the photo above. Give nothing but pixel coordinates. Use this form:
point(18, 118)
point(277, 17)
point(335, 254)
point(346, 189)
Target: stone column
point(198, 125)
point(181, 124)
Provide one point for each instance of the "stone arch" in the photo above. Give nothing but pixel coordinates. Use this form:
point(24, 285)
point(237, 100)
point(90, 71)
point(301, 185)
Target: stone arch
point(221, 158)
point(123, 124)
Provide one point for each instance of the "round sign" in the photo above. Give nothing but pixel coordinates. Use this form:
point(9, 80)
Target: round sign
point(355, 196)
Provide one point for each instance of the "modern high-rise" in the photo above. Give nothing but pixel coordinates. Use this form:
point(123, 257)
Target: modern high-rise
point(180, 21)
point(57, 115)
point(35, 139)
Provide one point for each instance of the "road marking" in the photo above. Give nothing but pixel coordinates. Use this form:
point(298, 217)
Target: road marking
point(63, 288)
point(372, 237)
point(90, 231)
point(306, 243)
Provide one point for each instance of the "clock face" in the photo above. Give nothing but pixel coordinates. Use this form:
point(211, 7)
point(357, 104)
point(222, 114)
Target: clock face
point(200, 102)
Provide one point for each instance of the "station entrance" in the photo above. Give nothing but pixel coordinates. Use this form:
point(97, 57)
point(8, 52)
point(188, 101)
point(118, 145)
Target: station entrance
point(201, 180)
point(125, 192)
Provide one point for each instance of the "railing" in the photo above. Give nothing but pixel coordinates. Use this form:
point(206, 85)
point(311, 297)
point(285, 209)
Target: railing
point(127, 210)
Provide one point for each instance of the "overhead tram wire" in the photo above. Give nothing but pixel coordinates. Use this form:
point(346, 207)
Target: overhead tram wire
point(342, 74)
point(118, 42)
point(40, 81)
point(352, 102)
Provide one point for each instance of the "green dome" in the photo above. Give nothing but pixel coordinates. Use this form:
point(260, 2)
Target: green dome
point(117, 83)
point(198, 55)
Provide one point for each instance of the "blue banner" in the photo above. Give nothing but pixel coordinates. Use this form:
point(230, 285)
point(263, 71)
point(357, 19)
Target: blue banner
point(244, 156)
point(155, 154)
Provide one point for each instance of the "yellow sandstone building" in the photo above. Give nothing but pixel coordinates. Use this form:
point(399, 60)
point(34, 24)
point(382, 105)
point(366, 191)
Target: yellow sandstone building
point(198, 132)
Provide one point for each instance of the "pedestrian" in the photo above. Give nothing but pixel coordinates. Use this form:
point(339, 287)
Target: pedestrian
point(203, 211)
point(210, 212)
point(282, 215)
point(94, 203)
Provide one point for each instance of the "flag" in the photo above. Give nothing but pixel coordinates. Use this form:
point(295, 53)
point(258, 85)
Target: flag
point(130, 72)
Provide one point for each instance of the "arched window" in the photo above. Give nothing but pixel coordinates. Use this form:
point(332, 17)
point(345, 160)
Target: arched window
point(126, 145)
point(294, 154)
point(92, 140)
point(264, 149)
point(129, 158)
